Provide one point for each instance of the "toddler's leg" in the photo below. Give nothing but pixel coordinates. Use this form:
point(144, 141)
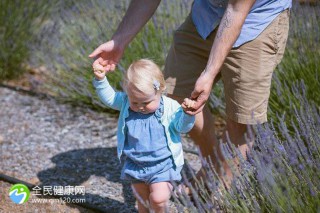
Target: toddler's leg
point(159, 196)
point(143, 192)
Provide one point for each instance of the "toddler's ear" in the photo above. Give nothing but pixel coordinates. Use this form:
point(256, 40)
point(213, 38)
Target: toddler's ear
point(164, 89)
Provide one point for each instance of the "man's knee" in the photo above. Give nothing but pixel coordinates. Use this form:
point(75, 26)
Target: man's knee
point(235, 126)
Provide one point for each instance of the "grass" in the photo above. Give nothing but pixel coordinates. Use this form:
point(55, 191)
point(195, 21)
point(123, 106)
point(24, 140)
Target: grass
point(19, 20)
point(300, 63)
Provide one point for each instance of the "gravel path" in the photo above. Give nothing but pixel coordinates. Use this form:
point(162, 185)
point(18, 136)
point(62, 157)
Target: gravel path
point(48, 143)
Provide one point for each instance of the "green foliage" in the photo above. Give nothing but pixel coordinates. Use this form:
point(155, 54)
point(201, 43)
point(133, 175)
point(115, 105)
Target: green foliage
point(279, 175)
point(18, 22)
point(300, 63)
point(83, 25)
point(282, 173)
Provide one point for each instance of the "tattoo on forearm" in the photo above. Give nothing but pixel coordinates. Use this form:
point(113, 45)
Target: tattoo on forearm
point(226, 22)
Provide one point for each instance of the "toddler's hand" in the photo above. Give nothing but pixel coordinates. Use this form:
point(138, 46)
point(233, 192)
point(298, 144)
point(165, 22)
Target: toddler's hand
point(98, 72)
point(187, 104)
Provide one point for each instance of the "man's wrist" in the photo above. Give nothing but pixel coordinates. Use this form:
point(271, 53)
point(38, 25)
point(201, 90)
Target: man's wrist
point(120, 41)
point(210, 73)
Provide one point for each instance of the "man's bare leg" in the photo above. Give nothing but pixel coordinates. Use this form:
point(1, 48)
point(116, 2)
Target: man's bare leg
point(203, 133)
point(236, 133)
point(142, 193)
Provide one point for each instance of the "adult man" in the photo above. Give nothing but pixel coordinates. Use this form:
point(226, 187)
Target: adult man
point(241, 41)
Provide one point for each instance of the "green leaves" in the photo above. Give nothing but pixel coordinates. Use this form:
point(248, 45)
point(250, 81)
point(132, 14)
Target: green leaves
point(78, 28)
point(19, 21)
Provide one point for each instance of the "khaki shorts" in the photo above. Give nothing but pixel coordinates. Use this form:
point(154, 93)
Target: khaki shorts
point(246, 72)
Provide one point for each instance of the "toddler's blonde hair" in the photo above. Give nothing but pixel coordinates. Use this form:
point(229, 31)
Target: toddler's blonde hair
point(143, 75)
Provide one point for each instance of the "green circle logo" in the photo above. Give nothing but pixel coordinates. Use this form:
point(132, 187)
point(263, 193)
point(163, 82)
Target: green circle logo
point(19, 193)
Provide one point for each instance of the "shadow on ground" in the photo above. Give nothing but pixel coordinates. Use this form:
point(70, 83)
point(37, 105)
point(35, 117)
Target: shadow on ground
point(76, 167)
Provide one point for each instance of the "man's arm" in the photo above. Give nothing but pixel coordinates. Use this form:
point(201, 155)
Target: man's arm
point(108, 54)
point(228, 32)
point(137, 15)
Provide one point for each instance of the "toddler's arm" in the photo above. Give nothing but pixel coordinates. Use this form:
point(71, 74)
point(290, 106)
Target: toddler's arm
point(183, 122)
point(106, 93)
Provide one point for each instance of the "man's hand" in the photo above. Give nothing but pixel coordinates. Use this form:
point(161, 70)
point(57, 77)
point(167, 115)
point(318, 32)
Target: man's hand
point(107, 56)
point(200, 93)
point(187, 104)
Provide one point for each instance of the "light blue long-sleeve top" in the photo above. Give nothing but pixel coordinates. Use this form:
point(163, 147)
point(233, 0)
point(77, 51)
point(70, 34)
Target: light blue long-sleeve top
point(174, 120)
point(207, 14)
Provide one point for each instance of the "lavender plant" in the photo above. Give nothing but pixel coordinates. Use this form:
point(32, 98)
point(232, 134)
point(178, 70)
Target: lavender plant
point(301, 61)
point(281, 173)
point(19, 21)
point(81, 26)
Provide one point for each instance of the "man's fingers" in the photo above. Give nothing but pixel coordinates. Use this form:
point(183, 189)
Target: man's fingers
point(192, 111)
point(112, 67)
point(95, 52)
point(103, 62)
point(198, 103)
point(197, 111)
point(195, 104)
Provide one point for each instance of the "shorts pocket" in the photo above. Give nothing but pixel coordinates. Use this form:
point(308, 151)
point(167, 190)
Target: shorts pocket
point(281, 30)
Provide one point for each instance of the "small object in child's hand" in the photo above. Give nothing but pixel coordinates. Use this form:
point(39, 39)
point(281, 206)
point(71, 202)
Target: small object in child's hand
point(96, 68)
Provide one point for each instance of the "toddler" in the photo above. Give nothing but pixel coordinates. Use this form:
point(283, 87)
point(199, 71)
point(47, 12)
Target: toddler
point(149, 127)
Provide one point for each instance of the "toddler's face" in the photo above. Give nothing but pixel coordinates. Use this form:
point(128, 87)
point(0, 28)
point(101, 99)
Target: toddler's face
point(140, 102)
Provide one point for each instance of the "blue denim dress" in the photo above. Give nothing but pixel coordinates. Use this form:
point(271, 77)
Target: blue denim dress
point(146, 154)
